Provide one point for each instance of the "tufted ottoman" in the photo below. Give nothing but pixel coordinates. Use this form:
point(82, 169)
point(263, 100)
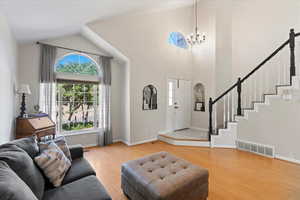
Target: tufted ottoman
point(162, 176)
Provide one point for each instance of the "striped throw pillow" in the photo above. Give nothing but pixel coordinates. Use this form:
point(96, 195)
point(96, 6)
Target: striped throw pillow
point(53, 163)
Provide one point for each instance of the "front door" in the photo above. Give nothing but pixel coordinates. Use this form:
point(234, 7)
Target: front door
point(179, 104)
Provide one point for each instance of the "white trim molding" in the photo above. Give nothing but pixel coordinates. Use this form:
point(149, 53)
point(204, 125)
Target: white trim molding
point(277, 156)
point(135, 143)
point(184, 143)
point(142, 142)
point(223, 146)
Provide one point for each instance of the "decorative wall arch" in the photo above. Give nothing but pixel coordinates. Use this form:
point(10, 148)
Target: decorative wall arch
point(199, 97)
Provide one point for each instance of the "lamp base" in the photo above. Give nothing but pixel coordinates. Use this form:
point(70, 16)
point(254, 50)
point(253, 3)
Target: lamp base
point(23, 106)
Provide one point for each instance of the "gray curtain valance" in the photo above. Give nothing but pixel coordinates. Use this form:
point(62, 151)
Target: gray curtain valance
point(47, 62)
point(47, 80)
point(105, 63)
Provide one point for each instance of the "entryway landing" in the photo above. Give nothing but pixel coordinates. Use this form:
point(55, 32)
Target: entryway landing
point(186, 137)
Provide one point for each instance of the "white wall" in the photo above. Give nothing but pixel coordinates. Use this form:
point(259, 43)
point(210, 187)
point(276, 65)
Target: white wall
point(29, 73)
point(143, 38)
point(258, 28)
point(8, 65)
point(275, 125)
point(204, 61)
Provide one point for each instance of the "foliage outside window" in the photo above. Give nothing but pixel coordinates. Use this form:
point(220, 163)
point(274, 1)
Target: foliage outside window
point(77, 64)
point(77, 103)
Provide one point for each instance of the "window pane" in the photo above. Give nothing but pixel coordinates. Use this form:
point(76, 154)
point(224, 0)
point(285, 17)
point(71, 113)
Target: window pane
point(75, 106)
point(178, 40)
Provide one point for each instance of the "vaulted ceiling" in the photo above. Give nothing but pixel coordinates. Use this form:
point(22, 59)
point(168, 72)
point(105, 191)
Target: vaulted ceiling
point(40, 19)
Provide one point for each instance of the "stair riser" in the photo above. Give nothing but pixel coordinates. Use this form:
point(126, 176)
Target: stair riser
point(228, 136)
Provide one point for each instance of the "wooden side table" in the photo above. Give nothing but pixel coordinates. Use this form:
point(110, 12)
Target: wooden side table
point(38, 126)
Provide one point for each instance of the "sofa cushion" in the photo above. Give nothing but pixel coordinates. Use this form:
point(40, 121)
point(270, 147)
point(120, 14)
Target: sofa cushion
point(28, 144)
point(76, 151)
point(21, 163)
point(11, 186)
point(54, 164)
point(80, 168)
point(87, 188)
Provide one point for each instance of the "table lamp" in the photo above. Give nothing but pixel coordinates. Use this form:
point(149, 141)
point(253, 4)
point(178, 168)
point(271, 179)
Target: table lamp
point(23, 89)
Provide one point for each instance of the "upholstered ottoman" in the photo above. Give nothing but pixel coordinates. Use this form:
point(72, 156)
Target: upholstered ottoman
point(162, 176)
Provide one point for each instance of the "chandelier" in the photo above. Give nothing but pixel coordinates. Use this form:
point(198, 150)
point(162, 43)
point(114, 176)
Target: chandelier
point(196, 37)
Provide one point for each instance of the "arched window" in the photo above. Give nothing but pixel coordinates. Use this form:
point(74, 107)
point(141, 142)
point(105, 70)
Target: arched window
point(75, 66)
point(77, 93)
point(178, 40)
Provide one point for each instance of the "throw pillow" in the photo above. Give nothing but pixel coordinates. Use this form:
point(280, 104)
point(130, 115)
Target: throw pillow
point(11, 186)
point(61, 143)
point(54, 164)
point(23, 165)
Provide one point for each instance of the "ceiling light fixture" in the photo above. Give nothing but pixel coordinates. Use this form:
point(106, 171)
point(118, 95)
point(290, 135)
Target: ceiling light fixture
point(195, 38)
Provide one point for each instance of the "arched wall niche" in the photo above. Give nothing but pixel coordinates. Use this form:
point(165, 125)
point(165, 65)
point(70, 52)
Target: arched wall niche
point(199, 97)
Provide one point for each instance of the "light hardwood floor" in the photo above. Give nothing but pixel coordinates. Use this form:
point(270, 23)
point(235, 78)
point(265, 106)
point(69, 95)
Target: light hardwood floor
point(234, 175)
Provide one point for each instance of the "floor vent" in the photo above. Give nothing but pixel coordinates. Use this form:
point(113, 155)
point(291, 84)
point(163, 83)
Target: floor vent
point(260, 149)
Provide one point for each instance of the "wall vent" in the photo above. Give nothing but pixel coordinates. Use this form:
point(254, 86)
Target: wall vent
point(260, 149)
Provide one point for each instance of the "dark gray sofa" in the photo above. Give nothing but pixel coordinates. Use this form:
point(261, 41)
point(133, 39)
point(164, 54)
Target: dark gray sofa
point(21, 179)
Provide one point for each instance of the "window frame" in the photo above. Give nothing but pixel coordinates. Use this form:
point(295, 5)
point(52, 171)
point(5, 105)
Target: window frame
point(66, 77)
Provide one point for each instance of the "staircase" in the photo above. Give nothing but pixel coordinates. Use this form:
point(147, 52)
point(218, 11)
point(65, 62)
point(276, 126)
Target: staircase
point(274, 78)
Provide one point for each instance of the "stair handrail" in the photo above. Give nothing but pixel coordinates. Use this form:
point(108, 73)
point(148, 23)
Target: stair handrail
point(238, 84)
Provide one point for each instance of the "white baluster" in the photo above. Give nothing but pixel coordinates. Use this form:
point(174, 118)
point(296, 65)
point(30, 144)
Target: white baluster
point(255, 88)
point(232, 106)
point(228, 109)
point(244, 91)
point(248, 92)
point(278, 72)
point(284, 74)
point(216, 106)
point(224, 112)
point(259, 85)
point(251, 91)
point(267, 80)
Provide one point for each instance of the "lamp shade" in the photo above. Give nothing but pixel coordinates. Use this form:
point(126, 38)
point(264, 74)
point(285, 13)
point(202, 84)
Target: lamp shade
point(24, 89)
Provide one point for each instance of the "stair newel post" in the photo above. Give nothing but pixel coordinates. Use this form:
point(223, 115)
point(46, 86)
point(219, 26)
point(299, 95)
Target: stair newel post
point(292, 55)
point(239, 91)
point(210, 118)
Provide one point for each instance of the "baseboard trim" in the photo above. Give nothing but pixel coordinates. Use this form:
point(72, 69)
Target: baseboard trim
point(90, 145)
point(277, 156)
point(224, 146)
point(134, 143)
point(142, 142)
point(120, 140)
point(117, 140)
